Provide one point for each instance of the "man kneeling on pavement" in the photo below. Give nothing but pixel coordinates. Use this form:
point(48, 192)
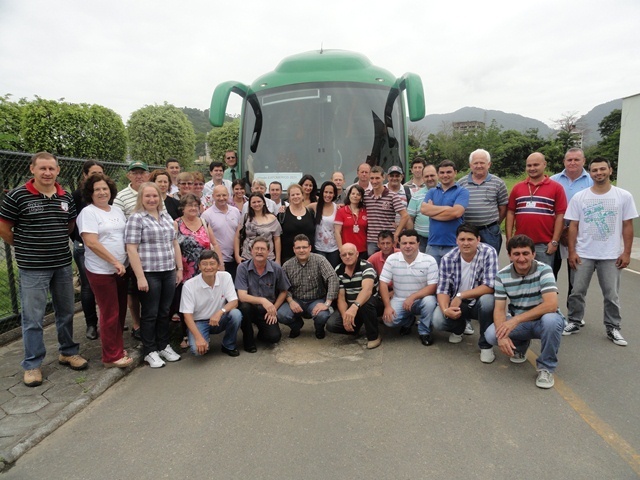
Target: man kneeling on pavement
point(532, 292)
point(209, 304)
point(465, 288)
point(358, 300)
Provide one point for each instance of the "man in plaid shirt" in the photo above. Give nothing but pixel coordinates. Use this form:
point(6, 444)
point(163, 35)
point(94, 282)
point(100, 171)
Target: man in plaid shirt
point(465, 288)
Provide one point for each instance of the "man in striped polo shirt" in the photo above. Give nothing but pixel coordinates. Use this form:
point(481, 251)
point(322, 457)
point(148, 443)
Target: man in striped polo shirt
point(488, 199)
point(382, 206)
point(531, 289)
point(358, 300)
point(415, 278)
point(37, 219)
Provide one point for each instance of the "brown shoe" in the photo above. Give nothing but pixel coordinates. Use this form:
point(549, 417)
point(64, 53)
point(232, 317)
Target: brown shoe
point(76, 362)
point(32, 378)
point(124, 362)
point(371, 344)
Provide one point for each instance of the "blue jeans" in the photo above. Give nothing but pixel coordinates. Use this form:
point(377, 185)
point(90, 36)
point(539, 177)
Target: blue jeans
point(286, 316)
point(423, 308)
point(34, 287)
point(154, 310)
point(543, 256)
point(437, 252)
point(492, 236)
point(229, 324)
point(547, 328)
point(482, 310)
point(424, 241)
point(87, 298)
point(609, 280)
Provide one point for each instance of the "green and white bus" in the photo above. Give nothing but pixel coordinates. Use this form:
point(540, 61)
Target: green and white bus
point(319, 112)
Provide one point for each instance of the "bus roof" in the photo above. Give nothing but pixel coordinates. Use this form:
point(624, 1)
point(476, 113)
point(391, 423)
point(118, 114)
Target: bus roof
point(324, 66)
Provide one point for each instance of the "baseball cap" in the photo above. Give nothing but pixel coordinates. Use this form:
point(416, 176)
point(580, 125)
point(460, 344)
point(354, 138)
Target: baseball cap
point(394, 169)
point(138, 164)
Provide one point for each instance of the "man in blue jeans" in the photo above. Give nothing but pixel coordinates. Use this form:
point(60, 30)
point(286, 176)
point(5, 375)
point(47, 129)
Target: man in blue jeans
point(465, 288)
point(532, 292)
point(36, 219)
point(209, 304)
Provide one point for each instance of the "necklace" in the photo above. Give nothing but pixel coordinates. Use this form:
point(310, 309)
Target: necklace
point(299, 217)
point(356, 227)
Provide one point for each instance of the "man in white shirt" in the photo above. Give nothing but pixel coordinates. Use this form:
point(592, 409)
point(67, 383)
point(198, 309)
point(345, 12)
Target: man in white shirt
point(209, 304)
point(415, 278)
point(600, 239)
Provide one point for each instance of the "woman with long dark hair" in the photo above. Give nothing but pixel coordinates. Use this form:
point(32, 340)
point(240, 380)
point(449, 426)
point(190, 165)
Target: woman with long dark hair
point(325, 241)
point(102, 228)
point(351, 221)
point(309, 189)
point(258, 222)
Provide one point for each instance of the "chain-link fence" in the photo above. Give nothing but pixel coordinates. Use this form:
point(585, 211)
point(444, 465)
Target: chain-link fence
point(14, 171)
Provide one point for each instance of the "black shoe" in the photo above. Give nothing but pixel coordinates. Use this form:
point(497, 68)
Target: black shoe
point(92, 332)
point(295, 332)
point(135, 333)
point(250, 349)
point(320, 334)
point(426, 339)
point(406, 330)
point(231, 353)
point(125, 328)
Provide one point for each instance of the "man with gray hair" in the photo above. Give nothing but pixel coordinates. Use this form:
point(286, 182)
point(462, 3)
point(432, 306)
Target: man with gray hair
point(488, 199)
point(260, 186)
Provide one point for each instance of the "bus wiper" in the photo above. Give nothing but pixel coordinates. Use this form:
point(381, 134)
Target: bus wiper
point(257, 127)
point(388, 120)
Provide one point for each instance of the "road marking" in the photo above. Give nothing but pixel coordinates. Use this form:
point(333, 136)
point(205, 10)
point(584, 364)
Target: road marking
point(602, 428)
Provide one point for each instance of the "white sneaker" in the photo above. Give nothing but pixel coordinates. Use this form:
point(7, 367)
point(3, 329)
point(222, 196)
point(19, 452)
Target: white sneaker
point(545, 379)
point(616, 337)
point(154, 360)
point(468, 329)
point(487, 355)
point(169, 354)
point(518, 357)
point(453, 338)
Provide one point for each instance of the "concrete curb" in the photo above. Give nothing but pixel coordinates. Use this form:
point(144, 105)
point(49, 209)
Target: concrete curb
point(106, 380)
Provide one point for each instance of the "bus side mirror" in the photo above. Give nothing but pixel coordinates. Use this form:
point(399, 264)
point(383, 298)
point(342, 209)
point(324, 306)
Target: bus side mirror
point(412, 84)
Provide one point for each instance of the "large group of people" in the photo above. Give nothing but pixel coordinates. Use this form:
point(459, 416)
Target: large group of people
point(218, 258)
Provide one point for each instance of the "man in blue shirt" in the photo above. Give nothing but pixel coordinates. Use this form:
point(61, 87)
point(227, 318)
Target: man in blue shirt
point(444, 205)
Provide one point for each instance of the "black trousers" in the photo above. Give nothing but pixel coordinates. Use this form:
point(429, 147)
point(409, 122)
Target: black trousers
point(254, 315)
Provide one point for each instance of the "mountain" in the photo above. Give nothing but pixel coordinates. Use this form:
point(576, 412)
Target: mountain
point(589, 122)
point(507, 121)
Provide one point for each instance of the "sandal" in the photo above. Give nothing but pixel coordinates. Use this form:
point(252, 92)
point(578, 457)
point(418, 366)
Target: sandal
point(124, 362)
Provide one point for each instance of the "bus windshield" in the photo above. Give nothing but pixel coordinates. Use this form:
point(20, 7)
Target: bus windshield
point(319, 128)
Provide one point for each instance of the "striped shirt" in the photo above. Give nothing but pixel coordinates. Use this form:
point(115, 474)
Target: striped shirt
point(420, 221)
point(408, 278)
point(536, 207)
point(40, 226)
point(154, 239)
point(381, 212)
point(484, 199)
point(484, 267)
point(352, 286)
point(126, 200)
point(524, 292)
point(314, 280)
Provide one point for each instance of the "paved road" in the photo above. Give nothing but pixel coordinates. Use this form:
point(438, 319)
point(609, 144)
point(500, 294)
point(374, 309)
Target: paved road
point(329, 409)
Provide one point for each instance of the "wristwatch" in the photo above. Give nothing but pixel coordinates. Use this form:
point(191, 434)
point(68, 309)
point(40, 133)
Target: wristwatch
point(554, 243)
point(356, 304)
point(224, 310)
point(459, 295)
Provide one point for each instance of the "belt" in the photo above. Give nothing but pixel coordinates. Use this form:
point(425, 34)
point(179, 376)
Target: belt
point(482, 227)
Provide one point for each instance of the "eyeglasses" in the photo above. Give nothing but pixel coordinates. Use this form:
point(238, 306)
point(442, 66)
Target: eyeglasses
point(198, 184)
point(229, 158)
point(347, 254)
point(185, 183)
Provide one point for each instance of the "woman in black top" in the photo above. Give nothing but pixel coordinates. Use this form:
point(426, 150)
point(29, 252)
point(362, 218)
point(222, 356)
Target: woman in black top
point(163, 181)
point(296, 219)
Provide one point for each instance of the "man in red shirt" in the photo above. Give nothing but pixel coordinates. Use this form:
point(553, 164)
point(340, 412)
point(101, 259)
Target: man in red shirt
point(536, 209)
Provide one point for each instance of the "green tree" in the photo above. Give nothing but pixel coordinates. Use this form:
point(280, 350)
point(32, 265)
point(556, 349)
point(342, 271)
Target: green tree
point(609, 146)
point(73, 130)
point(221, 139)
point(10, 122)
point(158, 132)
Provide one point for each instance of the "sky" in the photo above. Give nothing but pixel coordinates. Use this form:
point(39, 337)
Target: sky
point(538, 59)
